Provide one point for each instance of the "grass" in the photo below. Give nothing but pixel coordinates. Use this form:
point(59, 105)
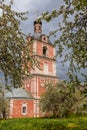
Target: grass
point(74, 123)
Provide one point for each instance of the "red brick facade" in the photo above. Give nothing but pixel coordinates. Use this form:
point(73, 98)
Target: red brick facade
point(16, 108)
point(44, 52)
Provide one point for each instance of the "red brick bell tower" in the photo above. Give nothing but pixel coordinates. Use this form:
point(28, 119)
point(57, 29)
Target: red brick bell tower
point(44, 52)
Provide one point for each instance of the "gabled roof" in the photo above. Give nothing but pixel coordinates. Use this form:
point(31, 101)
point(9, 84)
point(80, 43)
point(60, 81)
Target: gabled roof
point(18, 93)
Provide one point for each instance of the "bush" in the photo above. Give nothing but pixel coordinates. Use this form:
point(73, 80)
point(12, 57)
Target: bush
point(60, 100)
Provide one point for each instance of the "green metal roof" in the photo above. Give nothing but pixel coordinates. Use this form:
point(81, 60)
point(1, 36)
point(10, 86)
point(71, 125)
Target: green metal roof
point(18, 93)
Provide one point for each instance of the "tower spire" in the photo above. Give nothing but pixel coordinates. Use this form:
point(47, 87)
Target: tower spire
point(37, 26)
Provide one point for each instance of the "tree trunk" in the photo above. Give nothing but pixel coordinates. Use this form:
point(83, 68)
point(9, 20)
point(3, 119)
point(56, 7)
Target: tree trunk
point(4, 114)
point(54, 113)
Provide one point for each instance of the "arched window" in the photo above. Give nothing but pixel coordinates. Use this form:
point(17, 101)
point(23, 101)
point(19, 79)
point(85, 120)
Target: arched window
point(24, 108)
point(45, 51)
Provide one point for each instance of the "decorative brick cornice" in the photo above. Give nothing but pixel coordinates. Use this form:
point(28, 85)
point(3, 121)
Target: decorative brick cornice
point(43, 75)
point(44, 57)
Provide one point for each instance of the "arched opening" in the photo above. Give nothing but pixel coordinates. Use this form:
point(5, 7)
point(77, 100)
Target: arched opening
point(44, 50)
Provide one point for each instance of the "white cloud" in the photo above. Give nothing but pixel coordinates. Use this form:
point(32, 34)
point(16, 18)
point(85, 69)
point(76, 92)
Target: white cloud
point(31, 5)
point(21, 5)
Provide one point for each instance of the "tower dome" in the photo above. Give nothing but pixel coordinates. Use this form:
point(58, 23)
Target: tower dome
point(37, 26)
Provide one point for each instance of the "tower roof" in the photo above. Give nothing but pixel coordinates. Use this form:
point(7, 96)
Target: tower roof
point(37, 26)
point(38, 22)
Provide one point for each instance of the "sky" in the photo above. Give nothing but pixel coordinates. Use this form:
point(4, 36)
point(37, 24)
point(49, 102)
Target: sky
point(35, 8)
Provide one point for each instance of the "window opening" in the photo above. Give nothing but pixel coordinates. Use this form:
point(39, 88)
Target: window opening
point(44, 50)
point(24, 108)
point(44, 38)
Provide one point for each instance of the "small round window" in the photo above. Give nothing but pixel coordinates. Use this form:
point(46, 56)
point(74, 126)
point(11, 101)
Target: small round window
point(44, 39)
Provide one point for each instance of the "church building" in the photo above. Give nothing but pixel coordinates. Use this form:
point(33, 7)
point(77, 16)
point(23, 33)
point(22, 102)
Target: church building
point(24, 102)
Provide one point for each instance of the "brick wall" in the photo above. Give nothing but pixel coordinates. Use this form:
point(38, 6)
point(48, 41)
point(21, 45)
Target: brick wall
point(17, 108)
